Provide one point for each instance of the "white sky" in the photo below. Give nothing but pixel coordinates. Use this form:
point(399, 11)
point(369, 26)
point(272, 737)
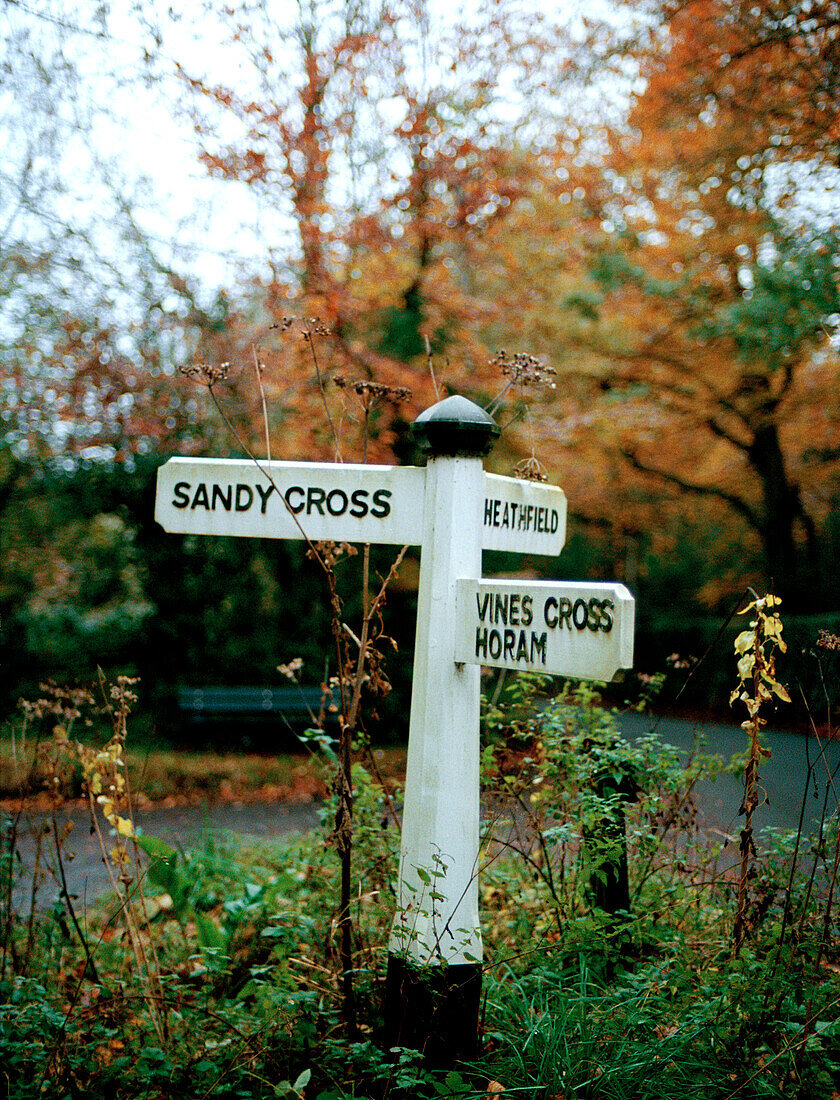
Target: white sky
point(217, 230)
point(208, 227)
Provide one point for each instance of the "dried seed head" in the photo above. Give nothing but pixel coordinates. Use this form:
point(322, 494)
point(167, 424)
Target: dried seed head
point(291, 670)
point(372, 392)
point(524, 370)
point(206, 374)
point(530, 469)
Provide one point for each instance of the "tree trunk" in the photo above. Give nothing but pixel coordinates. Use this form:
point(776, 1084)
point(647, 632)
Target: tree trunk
point(782, 510)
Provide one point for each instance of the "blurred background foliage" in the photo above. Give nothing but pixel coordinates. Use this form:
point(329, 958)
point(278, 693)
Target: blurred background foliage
point(89, 580)
point(646, 199)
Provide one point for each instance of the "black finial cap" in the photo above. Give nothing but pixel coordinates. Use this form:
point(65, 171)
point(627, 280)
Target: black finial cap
point(455, 426)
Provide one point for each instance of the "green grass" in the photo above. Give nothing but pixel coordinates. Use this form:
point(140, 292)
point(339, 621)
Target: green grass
point(224, 981)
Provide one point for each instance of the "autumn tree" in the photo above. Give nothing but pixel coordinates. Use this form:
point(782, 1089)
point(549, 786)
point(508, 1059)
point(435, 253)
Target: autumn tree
point(711, 309)
point(95, 310)
point(386, 138)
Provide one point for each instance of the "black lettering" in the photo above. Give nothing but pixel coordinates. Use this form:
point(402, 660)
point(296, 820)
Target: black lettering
point(483, 603)
point(481, 641)
point(513, 609)
point(241, 490)
point(497, 504)
point(381, 503)
point(360, 504)
point(527, 610)
point(510, 642)
point(201, 498)
point(494, 643)
point(593, 617)
point(226, 497)
point(538, 643)
point(315, 497)
point(555, 520)
point(506, 515)
point(295, 508)
point(550, 607)
point(264, 494)
point(488, 512)
point(564, 612)
point(513, 509)
point(181, 491)
point(607, 607)
point(500, 608)
point(580, 606)
point(341, 496)
point(522, 648)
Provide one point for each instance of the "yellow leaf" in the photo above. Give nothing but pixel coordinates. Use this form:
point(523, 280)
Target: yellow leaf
point(781, 692)
point(744, 641)
point(124, 826)
point(773, 626)
point(746, 665)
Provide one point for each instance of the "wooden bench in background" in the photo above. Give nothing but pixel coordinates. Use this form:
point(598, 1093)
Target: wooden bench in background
point(255, 717)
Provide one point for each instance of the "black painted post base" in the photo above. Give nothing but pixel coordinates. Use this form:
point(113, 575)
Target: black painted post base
point(433, 1009)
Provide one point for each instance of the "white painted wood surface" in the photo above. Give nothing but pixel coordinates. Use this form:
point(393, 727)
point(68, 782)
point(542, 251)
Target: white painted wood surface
point(339, 502)
point(523, 517)
point(344, 502)
point(561, 628)
point(437, 905)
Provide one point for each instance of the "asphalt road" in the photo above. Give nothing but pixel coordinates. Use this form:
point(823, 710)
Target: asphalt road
point(798, 778)
point(182, 827)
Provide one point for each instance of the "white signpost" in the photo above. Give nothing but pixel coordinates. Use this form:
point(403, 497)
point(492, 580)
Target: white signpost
point(335, 502)
point(558, 628)
point(453, 510)
point(344, 502)
point(523, 517)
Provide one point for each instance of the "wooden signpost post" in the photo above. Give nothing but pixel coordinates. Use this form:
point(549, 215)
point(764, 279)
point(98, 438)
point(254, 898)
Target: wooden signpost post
point(453, 510)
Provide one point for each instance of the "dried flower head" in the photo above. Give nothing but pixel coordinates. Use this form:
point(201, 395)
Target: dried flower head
point(524, 370)
point(63, 705)
point(378, 391)
point(827, 640)
point(206, 374)
point(530, 469)
point(306, 326)
point(331, 552)
point(291, 670)
point(676, 661)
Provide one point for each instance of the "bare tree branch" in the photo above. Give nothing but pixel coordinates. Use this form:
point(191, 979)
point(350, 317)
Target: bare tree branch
point(750, 515)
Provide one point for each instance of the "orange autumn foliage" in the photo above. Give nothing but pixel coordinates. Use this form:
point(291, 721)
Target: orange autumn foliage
point(706, 317)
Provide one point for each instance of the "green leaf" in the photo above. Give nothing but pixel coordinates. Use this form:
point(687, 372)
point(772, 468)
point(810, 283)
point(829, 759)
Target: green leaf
point(157, 849)
point(163, 871)
point(302, 1081)
point(209, 935)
